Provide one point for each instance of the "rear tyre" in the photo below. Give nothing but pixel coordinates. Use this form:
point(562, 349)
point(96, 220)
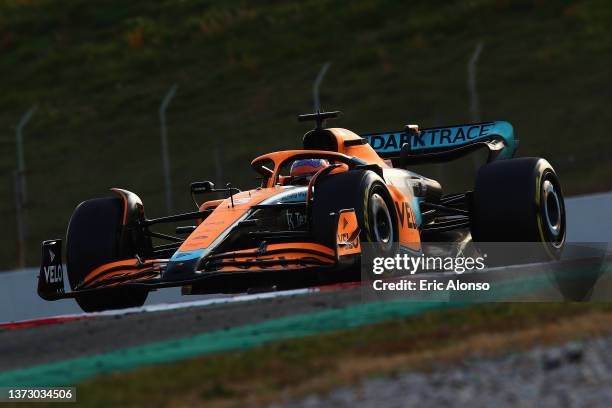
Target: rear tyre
point(363, 191)
point(520, 200)
point(93, 240)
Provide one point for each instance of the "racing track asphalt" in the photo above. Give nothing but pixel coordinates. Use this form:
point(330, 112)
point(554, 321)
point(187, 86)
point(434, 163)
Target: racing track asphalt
point(30, 346)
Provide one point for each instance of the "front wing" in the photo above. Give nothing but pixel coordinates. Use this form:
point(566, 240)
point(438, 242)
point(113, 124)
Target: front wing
point(291, 264)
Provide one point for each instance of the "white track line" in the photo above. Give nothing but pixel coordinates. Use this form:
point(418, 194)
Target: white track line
point(176, 306)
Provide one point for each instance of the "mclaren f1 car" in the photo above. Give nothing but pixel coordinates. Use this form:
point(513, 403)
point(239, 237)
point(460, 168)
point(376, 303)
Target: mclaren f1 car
point(307, 221)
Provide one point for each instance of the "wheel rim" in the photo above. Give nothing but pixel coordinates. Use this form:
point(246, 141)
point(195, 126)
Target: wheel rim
point(552, 209)
point(382, 224)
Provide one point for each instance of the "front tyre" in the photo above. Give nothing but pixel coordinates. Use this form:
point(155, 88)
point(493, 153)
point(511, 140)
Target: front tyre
point(93, 240)
point(367, 194)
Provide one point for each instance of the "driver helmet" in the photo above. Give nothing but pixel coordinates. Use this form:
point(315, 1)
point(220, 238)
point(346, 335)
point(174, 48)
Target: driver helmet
point(306, 168)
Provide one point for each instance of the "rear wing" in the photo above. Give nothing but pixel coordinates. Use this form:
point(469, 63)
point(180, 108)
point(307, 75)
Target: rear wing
point(430, 145)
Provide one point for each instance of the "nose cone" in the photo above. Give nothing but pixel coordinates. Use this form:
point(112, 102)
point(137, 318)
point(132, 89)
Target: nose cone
point(183, 265)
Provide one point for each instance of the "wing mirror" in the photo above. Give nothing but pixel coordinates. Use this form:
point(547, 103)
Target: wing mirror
point(200, 187)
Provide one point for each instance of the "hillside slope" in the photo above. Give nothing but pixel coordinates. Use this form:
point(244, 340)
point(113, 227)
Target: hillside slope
point(244, 69)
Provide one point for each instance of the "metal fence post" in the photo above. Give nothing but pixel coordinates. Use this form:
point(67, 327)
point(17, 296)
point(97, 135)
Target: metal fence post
point(218, 158)
point(471, 84)
point(473, 91)
point(164, 146)
point(19, 179)
point(317, 84)
point(19, 214)
point(21, 152)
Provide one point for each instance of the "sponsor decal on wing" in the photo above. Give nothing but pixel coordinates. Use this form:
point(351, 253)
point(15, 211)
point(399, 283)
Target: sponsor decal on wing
point(433, 138)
